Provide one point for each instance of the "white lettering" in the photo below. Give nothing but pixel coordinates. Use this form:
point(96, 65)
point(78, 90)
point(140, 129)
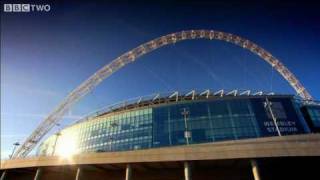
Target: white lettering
point(47, 7)
point(25, 7)
point(16, 7)
point(39, 7)
point(7, 7)
point(32, 7)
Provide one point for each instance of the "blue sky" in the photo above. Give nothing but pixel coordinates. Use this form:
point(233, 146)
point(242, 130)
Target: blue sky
point(46, 55)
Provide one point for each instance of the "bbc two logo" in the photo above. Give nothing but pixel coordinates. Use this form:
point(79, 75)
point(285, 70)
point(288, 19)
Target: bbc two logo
point(26, 7)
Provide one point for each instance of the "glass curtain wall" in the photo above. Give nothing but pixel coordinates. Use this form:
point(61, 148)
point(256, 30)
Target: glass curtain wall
point(188, 122)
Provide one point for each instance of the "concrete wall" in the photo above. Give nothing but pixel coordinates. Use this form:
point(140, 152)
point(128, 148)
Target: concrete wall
point(295, 145)
point(224, 160)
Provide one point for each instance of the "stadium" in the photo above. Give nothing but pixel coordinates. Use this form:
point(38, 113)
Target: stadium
point(185, 119)
point(218, 134)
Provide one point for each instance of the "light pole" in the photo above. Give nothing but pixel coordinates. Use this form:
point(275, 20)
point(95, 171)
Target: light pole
point(55, 143)
point(56, 140)
point(15, 145)
point(268, 105)
point(187, 134)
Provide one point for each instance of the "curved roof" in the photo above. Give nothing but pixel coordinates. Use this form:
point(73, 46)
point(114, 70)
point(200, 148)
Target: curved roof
point(173, 97)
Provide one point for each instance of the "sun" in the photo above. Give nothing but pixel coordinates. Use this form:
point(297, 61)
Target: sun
point(66, 146)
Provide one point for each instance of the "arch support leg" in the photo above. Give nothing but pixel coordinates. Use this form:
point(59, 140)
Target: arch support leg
point(3, 175)
point(38, 174)
point(187, 170)
point(255, 169)
point(128, 172)
point(78, 174)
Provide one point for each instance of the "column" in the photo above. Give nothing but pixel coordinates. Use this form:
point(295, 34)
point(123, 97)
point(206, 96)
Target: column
point(79, 172)
point(3, 175)
point(255, 169)
point(187, 171)
point(38, 174)
point(128, 172)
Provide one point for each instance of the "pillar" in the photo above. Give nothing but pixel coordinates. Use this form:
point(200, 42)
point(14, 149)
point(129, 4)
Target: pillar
point(255, 169)
point(3, 175)
point(38, 174)
point(187, 171)
point(79, 172)
point(128, 172)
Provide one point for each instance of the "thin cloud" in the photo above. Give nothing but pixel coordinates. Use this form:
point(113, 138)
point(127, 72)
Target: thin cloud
point(29, 90)
point(182, 52)
point(158, 77)
point(13, 135)
point(35, 115)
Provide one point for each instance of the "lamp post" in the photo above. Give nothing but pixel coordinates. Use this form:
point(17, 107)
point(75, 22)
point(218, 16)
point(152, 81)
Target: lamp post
point(15, 145)
point(187, 134)
point(268, 105)
point(55, 143)
point(56, 140)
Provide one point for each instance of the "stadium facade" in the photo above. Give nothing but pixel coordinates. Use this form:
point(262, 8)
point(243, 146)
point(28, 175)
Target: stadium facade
point(171, 120)
point(226, 135)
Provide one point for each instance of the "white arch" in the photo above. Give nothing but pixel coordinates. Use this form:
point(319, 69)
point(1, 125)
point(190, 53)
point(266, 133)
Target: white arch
point(135, 53)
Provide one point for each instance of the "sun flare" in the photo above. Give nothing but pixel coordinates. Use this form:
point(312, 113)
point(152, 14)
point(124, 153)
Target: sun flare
point(67, 146)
